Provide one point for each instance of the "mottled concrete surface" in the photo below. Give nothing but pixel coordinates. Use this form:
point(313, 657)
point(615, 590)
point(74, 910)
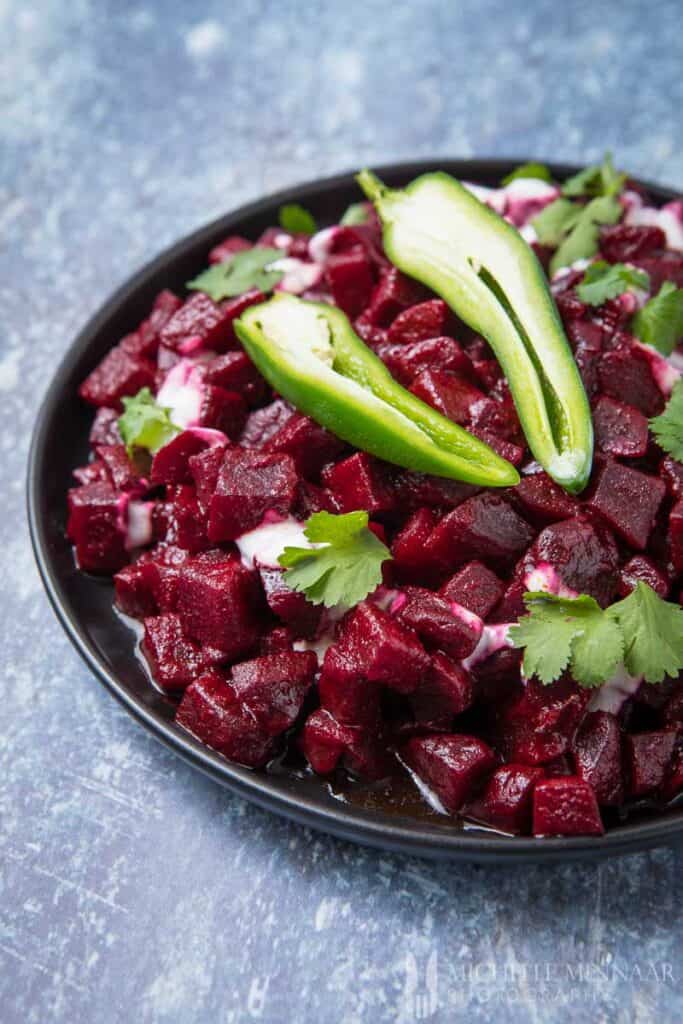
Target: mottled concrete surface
point(131, 888)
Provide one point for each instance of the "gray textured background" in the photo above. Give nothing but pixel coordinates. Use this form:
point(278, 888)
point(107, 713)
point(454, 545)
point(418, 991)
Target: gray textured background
point(131, 888)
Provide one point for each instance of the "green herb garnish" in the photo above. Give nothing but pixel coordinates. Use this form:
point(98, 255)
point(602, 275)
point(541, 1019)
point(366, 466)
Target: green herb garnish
point(574, 228)
point(597, 180)
point(660, 322)
point(144, 423)
point(345, 569)
point(532, 170)
point(668, 426)
point(297, 220)
point(356, 213)
point(603, 281)
point(245, 270)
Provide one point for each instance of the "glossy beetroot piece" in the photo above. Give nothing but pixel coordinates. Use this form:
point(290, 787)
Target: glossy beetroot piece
point(597, 755)
point(647, 757)
point(565, 807)
point(174, 660)
point(485, 527)
point(474, 587)
point(584, 555)
point(620, 430)
point(93, 528)
point(505, 804)
point(628, 501)
point(215, 602)
point(439, 623)
point(211, 711)
point(273, 688)
point(451, 766)
point(248, 485)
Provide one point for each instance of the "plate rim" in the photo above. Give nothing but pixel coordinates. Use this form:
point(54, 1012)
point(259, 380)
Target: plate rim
point(345, 821)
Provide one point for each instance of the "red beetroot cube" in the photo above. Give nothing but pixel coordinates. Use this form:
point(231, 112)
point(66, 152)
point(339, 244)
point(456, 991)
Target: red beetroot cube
point(360, 482)
point(641, 569)
point(149, 331)
point(451, 395)
point(625, 374)
point(179, 520)
point(351, 280)
point(452, 766)
point(673, 783)
point(222, 410)
point(277, 641)
point(126, 474)
point(474, 587)
point(597, 755)
point(226, 249)
point(288, 605)
point(248, 485)
point(134, 590)
point(344, 692)
point(235, 371)
point(513, 453)
point(666, 266)
point(163, 574)
point(383, 650)
point(676, 535)
point(647, 757)
point(118, 374)
point(544, 501)
point(263, 424)
point(409, 543)
point(439, 623)
point(273, 687)
point(392, 294)
point(218, 605)
point(416, 489)
point(446, 692)
point(620, 429)
point(671, 473)
point(324, 742)
point(173, 660)
point(204, 469)
point(584, 556)
point(485, 527)
point(629, 501)
point(310, 445)
point(406, 362)
point(565, 807)
point(506, 801)
point(425, 320)
point(105, 427)
point(210, 711)
point(171, 464)
point(92, 473)
point(212, 322)
point(92, 528)
point(625, 242)
point(538, 724)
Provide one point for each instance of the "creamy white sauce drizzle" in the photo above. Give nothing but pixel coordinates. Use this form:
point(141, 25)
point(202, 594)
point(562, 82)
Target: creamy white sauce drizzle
point(182, 392)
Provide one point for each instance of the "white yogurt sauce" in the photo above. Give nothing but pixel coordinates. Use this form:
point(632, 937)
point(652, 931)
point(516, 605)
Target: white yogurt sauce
point(298, 276)
point(264, 545)
point(612, 694)
point(182, 392)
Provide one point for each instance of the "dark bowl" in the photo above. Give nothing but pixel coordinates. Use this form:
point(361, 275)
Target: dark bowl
point(84, 604)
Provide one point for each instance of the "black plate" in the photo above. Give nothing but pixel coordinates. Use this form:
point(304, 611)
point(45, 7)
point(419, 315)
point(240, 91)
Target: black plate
point(84, 604)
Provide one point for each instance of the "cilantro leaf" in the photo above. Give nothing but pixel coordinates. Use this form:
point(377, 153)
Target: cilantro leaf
point(144, 423)
point(532, 170)
point(668, 426)
point(660, 322)
point(596, 180)
point(653, 631)
point(345, 569)
point(555, 220)
point(245, 270)
point(356, 213)
point(604, 281)
point(582, 240)
point(561, 632)
point(297, 219)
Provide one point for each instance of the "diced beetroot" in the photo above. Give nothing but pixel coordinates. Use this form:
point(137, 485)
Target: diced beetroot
point(544, 501)
point(173, 660)
point(672, 707)
point(360, 482)
point(235, 371)
point(383, 650)
point(163, 574)
point(565, 807)
point(671, 473)
point(438, 623)
point(212, 322)
point(673, 782)
point(640, 568)
point(647, 756)
point(222, 410)
point(569, 305)
point(211, 712)
point(324, 741)
point(539, 723)
point(446, 692)
point(505, 803)
point(484, 527)
point(344, 692)
point(667, 266)
point(626, 242)
point(94, 472)
point(204, 468)
point(288, 605)
point(408, 546)
point(628, 500)
point(597, 755)
point(105, 427)
point(312, 498)
point(451, 395)
point(620, 429)
point(514, 453)
point(487, 372)
point(262, 424)
point(511, 606)
point(406, 362)
point(393, 293)
point(559, 766)
point(425, 320)
point(178, 519)
point(676, 535)
point(474, 587)
point(625, 374)
point(126, 474)
point(277, 641)
point(149, 331)
point(583, 554)
point(226, 249)
point(310, 445)
point(171, 464)
point(273, 687)
point(249, 484)
point(134, 590)
point(117, 375)
point(452, 766)
point(351, 280)
point(416, 489)
point(92, 528)
point(218, 606)
point(496, 678)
